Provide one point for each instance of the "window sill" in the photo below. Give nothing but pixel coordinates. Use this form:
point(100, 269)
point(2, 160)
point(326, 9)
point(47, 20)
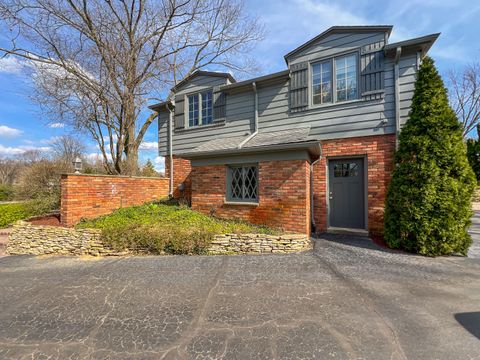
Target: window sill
point(200, 127)
point(338, 103)
point(226, 202)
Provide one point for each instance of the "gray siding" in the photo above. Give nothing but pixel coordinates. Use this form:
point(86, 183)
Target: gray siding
point(367, 116)
point(337, 44)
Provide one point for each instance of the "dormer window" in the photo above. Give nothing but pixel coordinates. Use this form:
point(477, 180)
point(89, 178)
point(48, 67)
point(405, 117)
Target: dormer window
point(334, 80)
point(200, 108)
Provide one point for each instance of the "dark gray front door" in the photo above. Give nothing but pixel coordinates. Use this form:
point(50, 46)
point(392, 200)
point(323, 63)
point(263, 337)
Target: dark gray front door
point(347, 193)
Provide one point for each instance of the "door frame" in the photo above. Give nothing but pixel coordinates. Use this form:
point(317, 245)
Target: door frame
point(365, 185)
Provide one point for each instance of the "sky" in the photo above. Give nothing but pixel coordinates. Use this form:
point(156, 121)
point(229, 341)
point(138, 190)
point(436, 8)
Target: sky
point(287, 24)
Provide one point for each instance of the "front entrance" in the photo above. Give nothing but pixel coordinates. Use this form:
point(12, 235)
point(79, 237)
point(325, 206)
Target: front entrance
point(346, 193)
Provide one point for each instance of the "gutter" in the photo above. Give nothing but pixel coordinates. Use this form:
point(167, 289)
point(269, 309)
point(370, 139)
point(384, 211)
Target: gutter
point(312, 204)
point(255, 132)
point(170, 147)
point(397, 94)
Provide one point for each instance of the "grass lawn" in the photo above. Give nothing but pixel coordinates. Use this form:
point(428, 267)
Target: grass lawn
point(9, 213)
point(160, 227)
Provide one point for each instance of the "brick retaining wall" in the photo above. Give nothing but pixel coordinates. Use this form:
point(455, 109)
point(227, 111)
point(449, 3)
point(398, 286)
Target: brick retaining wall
point(89, 196)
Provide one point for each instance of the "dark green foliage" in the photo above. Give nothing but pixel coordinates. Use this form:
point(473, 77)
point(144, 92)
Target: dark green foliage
point(6, 192)
point(9, 213)
point(428, 205)
point(473, 154)
point(165, 228)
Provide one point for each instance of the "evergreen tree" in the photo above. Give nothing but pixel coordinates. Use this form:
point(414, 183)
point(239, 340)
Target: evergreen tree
point(428, 205)
point(148, 169)
point(473, 154)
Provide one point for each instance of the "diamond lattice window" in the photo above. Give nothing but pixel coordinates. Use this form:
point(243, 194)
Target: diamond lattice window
point(243, 183)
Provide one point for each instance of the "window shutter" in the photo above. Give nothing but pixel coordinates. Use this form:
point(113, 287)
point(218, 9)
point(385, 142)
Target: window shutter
point(372, 71)
point(299, 87)
point(179, 112)
point(219, 105)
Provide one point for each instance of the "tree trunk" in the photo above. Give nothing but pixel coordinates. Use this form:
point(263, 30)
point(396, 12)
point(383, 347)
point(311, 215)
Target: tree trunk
point(130, 165)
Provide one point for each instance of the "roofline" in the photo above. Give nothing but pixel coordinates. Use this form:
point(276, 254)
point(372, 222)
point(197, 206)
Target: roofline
point(307, 145)
point(356, 28)
point(278, 74)
point(205, 73)
point(428, 40)
point(154, 107)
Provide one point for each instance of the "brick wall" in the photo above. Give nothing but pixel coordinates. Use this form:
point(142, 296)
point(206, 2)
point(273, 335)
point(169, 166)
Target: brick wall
point(378, 151)
point(284, 195)
point(181, 174)
point(89, 196)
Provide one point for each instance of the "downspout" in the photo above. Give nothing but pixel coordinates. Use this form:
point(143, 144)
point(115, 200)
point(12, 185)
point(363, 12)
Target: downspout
point(312, 204)
point(170, 148)
point(397, 95)
point(255, 132)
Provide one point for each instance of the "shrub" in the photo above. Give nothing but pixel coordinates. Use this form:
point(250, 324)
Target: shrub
point(159, 227)
point(9, 213)
point(6, 192)
point(428, 205)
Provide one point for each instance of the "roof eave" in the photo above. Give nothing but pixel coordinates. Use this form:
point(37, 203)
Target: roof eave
point(311, 146)
point(156, 107)
point(423, 43)
point(205, 73)
point(280, 74)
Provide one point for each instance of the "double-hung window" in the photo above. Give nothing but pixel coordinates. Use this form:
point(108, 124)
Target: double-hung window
point(242, 183)
point(334, 80)
point(200, 108)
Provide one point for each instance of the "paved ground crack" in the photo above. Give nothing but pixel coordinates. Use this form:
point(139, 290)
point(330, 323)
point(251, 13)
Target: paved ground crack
point(366, 299)
point(178, 350)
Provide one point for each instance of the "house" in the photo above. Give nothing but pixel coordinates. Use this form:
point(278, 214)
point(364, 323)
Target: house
point(306, 149)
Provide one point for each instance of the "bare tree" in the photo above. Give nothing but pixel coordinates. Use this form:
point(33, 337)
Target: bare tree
point(97, 62)
point(9, 170)
point(465, 96)
point(66, 148)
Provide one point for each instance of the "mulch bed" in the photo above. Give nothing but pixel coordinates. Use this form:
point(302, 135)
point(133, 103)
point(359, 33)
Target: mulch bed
point(50, 220)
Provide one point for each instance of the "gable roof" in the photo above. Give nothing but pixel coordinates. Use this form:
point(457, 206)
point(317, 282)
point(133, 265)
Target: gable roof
point(341, 29)
point(204, 73)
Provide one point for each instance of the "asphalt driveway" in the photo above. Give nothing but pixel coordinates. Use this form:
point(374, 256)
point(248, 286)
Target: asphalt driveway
point(347, 299)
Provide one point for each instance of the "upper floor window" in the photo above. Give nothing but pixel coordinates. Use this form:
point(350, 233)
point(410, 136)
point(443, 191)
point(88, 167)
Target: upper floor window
point(322, 82)
point(200, 108)
point(335, 85)
point(346, 77)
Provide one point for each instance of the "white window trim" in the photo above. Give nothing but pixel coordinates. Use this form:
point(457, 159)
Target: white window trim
point(187, 108)
point(334, 80)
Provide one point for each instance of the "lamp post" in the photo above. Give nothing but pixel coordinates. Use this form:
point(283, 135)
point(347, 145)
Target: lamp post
point(77, 164)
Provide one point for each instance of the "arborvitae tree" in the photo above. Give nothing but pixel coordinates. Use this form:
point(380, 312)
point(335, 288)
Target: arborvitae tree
point(148, 169)
point(428, 205)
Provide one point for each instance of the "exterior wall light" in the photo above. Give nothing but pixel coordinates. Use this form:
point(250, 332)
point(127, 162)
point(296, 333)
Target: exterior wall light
point(77, 163)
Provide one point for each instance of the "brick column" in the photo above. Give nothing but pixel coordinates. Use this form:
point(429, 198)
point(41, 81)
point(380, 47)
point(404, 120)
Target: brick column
point(181, 174)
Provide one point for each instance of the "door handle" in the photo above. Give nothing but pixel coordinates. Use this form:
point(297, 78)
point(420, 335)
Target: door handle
point(330, 195)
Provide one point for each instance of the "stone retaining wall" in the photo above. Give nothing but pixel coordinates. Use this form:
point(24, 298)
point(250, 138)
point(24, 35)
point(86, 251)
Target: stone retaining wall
point(40, 240)
point(259, 243)
point(31, 239)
